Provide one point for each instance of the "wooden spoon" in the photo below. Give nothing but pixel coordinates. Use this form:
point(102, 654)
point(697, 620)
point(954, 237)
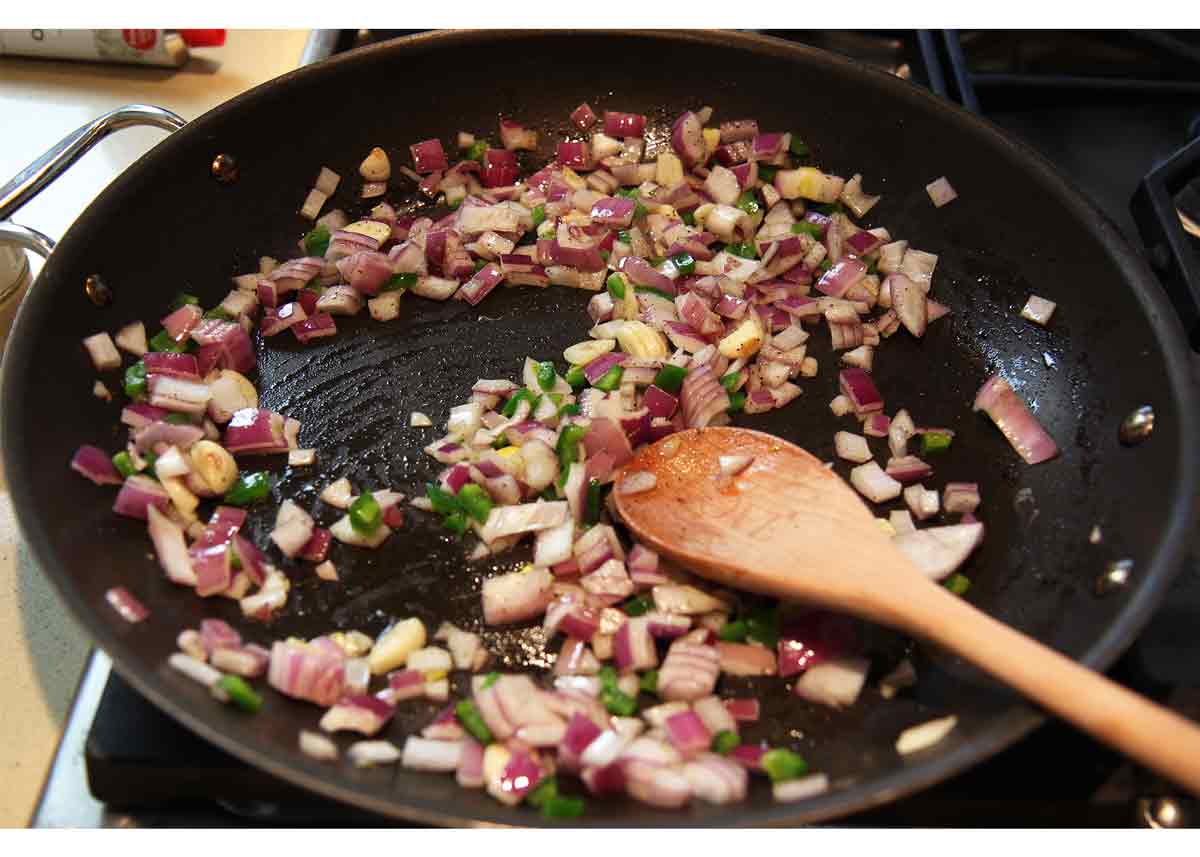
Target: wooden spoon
point(788, 526)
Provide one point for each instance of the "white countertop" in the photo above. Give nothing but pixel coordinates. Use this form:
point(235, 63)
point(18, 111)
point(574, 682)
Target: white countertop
point(44, 650)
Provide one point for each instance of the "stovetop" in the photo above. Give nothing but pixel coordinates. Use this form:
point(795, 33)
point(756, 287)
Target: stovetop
point(1106, 109)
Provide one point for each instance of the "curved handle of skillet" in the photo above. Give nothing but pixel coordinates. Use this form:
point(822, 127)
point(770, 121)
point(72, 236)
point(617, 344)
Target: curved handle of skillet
point(1166, 237)
point(31, 180)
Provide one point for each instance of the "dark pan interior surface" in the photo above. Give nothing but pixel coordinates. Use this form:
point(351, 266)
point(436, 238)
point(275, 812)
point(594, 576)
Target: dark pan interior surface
point(1016, 229)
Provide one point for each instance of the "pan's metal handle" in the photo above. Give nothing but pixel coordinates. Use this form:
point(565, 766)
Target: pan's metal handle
point(34, 178)
point(1164, 230)
point(31, 180)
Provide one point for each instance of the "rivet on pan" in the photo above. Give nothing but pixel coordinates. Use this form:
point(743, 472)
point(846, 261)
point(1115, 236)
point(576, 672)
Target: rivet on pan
point(224, 168)
point(1136, 427)
point(1114, 577)
point(1161, 812)
point(97, 290)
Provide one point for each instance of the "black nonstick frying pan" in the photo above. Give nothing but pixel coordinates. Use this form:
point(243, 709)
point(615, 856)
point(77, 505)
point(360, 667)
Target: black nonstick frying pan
point(1114, 345)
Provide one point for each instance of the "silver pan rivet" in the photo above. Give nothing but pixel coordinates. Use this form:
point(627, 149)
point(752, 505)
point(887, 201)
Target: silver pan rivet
point(1161, 812)
point(224, 168)
point(97, 290)
point(1136, 427)
point(1115, 576)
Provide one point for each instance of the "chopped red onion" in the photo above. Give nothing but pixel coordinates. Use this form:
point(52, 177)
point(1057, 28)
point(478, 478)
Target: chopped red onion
point(583, 117)
point(744, 710)
point(428, 156)
point(997, 399)
point(938, 551)
point(304, 671)
point(689, 671)
point(745, 659)
point(871, 481)
point(687, 732)
point(960, 498)
point(137, 495)
point(857, 386)
point(94, 463)
point(129, 607)
point(941, 192)
point(835, 682)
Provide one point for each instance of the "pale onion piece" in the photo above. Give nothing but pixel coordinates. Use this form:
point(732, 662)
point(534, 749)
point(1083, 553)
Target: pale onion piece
point(732, 465)
point(345, 533)
point(870, 481)
point(841, 406)
point(231, 392)
point(132, 338)
point(925, 735)
point(372, 229)
point(637, 482)
point(375, 166)
point(184, 501)
point(1038, 310)
point(386, 307)
point(681, 598)
point(938, 551)
point(836, 682)
point(191, 644)
point(171, 463)
point(392, 649)
point(312, 204)
point(327, 182)
point(862, 357)
point(101, 392)
point(901, 521)
point(424, 754)
point(854, 197)
point(921, 502)
point(302, 457)
point(803, 788)
point(430, 659)
point(197, 671)
point(583, 353)
point(327, 571)
point(526, 518)
point(338, 494)
point(941, 192)
point(668, 169)
point(271, 597)
point(904, 675)
point(745, 340)
point(419, 420)
point(367, 754)
point(919, 266)
point(554, 544)
point(318, 746)
point(852, 447)
point(102, 351)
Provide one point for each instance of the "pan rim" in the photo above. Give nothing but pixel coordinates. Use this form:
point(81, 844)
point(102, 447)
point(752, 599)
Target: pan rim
point(1013, 724)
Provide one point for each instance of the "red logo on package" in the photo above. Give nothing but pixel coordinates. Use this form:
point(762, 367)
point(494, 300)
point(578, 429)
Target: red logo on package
point(140, 40)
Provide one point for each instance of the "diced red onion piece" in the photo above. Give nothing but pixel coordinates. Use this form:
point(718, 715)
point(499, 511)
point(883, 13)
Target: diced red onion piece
point(126, 604)
point(941, 192)
point(998, 400)
point(94, 464)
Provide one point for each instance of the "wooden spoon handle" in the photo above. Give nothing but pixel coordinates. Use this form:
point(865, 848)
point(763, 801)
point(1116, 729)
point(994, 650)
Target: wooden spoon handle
point(1155, 736)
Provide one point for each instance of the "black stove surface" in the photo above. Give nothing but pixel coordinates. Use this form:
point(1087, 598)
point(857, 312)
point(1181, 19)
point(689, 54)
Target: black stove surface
point(1106, 108)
